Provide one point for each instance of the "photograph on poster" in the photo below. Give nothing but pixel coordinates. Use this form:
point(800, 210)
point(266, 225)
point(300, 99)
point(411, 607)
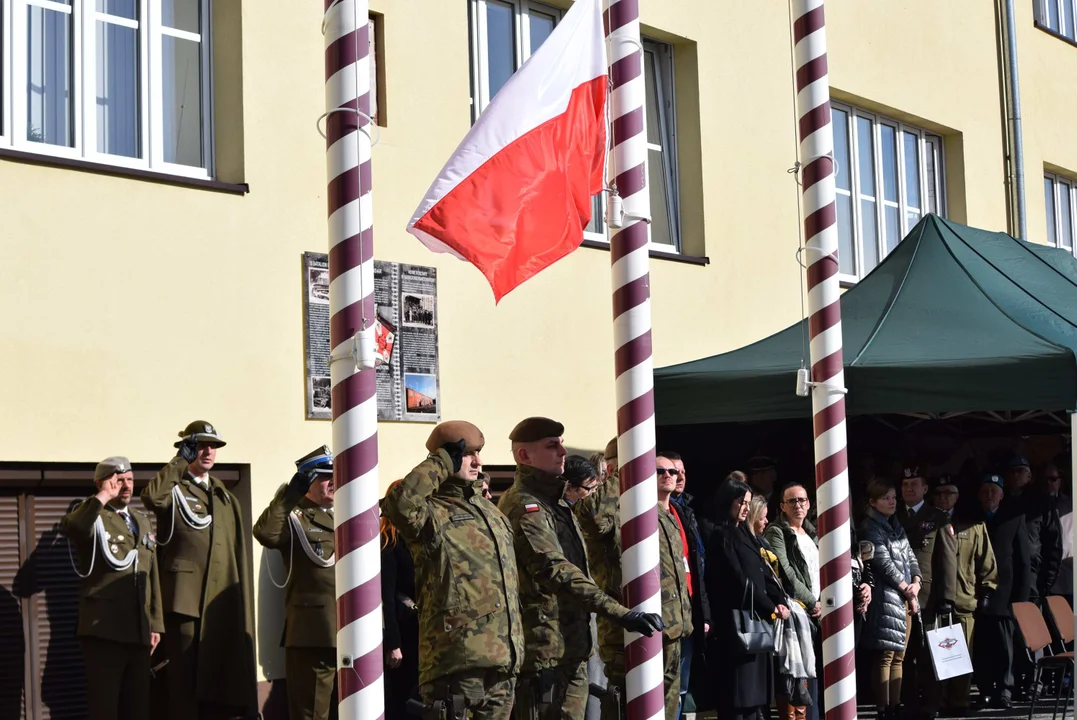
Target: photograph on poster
point(421, 393)
point(418, 310)
point(318, 285)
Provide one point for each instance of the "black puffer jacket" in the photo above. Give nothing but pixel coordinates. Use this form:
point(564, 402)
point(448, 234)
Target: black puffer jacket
point(894, 562)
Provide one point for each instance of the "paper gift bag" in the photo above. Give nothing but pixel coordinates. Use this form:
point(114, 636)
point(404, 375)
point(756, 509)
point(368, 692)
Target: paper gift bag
point(949, 651)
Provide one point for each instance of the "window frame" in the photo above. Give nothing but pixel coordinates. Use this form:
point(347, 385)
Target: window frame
point(1057, 182)
point(1066, 11)
point(926, 141)
point(83, 78)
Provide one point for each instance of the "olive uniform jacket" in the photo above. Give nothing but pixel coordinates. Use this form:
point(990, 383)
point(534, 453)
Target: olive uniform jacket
point(977, 572)
point(204, 573)
point(123, 606)
point(932, 540)
point(557, 593)
point(310, 600)
point(597, 517)
point(466, 581)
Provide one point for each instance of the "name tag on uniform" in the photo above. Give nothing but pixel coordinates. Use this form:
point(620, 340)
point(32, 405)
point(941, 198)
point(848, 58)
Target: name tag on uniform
point(461, 518)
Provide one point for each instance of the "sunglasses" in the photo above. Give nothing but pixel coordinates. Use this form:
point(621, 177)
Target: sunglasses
point(667, 471)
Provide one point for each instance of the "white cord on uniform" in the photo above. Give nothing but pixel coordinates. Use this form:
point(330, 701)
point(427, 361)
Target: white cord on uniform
point(98, 536)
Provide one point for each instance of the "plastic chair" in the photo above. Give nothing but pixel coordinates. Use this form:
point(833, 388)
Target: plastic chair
point(1061, 616)
point(1037, 637)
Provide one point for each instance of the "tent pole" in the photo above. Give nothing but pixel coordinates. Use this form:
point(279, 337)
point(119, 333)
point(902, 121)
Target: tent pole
point(816, 175)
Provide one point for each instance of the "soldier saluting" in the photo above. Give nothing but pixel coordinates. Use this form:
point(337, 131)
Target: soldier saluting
point(299, 523)
point(120, 617)
point(209, 616)
point(471, 642)
point(557, 593)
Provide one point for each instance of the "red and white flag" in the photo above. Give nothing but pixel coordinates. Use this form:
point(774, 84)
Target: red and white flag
point(515, 196)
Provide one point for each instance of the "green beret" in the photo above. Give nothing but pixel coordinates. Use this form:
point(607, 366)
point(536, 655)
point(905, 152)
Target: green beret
point(110, 466)
point(536, 428)
point(455, 431)
point(611, 450)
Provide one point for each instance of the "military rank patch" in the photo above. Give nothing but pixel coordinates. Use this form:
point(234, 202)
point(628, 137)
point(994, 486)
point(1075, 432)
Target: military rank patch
point(531, 507)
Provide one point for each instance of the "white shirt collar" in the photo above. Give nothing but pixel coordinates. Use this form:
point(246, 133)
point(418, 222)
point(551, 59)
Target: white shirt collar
point(202, 480)
point(916, 508)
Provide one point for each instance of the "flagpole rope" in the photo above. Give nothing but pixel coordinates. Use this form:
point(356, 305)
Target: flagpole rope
point(634, 367)
point(816, 137)
point(345, 30)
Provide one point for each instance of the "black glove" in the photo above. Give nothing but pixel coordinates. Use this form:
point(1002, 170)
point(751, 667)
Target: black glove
point(301, 482)
point(642, 623)
point(984, 602)
point(456, 453)
point(187, 449)
point(946, 607)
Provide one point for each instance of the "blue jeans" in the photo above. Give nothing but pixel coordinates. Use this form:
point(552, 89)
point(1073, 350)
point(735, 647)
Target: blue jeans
point(686, 670)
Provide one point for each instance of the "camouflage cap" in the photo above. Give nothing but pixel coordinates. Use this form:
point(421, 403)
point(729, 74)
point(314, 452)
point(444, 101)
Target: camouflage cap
point(110, 466)
point(610, 453)
point(454, 431)
point(202, 431)
point(533, 429)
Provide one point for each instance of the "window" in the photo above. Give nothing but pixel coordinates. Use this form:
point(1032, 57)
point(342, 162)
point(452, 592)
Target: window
point(1059, 16)
point(1060, 196)
point(889, 175)
point(662, 175)
point(120, 82)
point(504, 33)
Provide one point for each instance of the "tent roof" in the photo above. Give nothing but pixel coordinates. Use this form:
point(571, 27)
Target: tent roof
point(955, 319)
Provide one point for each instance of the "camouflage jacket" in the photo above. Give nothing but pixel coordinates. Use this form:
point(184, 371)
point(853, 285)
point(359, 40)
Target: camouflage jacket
point(466, 581)
point(557, 594)
point(597, 515)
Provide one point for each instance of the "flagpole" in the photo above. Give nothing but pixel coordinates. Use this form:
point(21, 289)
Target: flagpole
point(354, 401)
point(632, 357)
point(816, 175)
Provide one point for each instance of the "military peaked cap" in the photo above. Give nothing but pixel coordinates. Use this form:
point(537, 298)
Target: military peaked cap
point(202, 431)
point(536, 428)
point(110, 466)
point(320, 461)
point(943, 481)
point(455, 431)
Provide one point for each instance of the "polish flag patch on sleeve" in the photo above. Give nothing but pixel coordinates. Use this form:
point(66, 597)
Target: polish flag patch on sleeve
point(531, 507)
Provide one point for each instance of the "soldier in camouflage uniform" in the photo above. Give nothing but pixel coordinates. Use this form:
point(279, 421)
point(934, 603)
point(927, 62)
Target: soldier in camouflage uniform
point(299, 523)
point(597, 515)
point(557, 594)
point(471, 635)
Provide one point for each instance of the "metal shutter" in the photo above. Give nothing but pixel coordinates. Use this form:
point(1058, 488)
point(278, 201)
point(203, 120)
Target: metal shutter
point(55, 655)
point(12, 647)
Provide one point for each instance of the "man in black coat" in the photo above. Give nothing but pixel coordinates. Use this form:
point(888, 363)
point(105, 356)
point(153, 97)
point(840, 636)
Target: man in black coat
point(1043, 523)
point(701, 610)
point(994, 631)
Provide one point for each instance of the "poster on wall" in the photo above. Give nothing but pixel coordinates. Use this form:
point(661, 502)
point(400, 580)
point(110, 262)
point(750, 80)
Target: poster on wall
point(405, 333)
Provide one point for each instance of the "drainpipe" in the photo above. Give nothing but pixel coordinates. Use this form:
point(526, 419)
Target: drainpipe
point(1014, 111)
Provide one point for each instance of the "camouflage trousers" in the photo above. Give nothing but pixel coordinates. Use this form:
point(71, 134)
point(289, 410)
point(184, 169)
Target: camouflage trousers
point(612, 709)
point(558, 693)
point(487, 694)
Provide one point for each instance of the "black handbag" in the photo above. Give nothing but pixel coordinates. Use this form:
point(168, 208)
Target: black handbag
point(753, 636)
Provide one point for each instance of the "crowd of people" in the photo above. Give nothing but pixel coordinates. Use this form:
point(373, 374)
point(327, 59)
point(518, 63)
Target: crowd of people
point(740, 584)
point(520, 608)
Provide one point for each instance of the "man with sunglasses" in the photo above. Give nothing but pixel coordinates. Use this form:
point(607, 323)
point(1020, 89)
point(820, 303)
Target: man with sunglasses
point(208, 603)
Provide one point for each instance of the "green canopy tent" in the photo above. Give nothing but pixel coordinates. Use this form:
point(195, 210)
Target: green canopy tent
point(955, 320)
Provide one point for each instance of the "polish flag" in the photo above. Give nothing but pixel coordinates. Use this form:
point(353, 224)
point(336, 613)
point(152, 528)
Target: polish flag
point(515, 196)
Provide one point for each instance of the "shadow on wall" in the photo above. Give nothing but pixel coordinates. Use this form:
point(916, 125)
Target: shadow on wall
point(48, 574)
point(269, 615)
point(12, 647)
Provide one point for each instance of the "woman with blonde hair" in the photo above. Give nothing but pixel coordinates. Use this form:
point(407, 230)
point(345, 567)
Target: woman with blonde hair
point(401, 620)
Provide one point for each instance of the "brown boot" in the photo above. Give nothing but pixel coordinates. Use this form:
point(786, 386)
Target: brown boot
point(785, 710)
point(799, 713)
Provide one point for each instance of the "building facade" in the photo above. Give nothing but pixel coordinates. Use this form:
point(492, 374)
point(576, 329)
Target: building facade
point(165, 175)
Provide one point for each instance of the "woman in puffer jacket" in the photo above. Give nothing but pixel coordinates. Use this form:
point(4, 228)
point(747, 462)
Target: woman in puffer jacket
point(897, 581)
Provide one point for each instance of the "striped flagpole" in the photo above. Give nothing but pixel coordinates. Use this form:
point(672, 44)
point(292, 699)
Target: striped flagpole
point(632, 359)
point(824, 322)
point(351, 308)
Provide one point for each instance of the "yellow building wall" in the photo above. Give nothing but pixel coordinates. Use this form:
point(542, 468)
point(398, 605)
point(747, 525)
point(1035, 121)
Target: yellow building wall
point(132, 308)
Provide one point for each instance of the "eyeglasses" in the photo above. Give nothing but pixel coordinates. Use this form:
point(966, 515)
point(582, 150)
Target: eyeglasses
point(795, 501)
point(1052, 478)
point(667, 471)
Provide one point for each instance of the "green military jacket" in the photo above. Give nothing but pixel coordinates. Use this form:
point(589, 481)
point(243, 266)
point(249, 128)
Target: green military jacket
point(977, 572)
point(557, 594)
point(932, 540)
point(119, 605)
point(310, 601)
point(466, 580)
point(597, 517)
point(676, 598)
